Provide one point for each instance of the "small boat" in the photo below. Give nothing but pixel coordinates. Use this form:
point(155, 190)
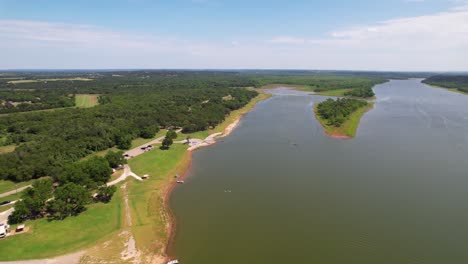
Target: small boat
point(175, 261)
point(180, 181)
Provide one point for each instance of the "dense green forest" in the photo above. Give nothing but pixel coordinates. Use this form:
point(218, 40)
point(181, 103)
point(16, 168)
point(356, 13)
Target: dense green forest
point(336, 112)
point(19, 100)
point(132, 104)
point(459, 82)
point(47, 140)
point(366, 92)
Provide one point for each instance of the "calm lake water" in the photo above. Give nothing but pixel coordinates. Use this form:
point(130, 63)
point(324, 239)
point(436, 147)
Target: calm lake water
point(277, 190)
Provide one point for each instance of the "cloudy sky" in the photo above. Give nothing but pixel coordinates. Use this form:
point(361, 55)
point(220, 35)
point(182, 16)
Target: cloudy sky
point(219, 34)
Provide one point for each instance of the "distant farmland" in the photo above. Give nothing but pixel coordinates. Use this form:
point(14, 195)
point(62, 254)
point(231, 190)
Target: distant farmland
point(86, 100)
point(50, 80)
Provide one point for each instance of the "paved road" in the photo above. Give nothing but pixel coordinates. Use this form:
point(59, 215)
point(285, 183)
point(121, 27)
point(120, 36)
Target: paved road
point(5, 194)
point(138, 151)
point(4, 215)
point(127, 173)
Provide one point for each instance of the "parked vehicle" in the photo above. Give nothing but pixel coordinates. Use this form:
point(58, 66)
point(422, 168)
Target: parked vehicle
point(3, 230)
point(5, 202)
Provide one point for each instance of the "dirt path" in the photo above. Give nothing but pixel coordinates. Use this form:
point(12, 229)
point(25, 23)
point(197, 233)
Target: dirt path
point(127, 173)
point(5, 194)
point(68, 259)
point(138, 150)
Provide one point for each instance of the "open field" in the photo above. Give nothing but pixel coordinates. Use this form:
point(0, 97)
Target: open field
point(150, 221)
point(12, 197)
point(349, 127)
point(86, 100)
point(6, 186)
point(53, 238)
point(337, 93)
point(7, 149)
point(50, 80)
point(101, 223)
point(140, 141)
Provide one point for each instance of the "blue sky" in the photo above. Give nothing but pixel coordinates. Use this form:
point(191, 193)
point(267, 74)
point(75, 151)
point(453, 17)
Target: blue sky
point(361, 34)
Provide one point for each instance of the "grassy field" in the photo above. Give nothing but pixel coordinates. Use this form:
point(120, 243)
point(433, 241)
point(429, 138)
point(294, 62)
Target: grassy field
point(349, 128)
point(6, 186)
point(3, 208)
point(12, 197)
point(146, 198)
point(52, 238)
point(7, 149)
point(102, 222)
point(86, 100)
point(50, 80)
point(140, 141)
point(337, 93)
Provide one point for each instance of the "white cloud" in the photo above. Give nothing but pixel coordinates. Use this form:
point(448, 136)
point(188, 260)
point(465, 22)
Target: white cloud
point(287, 40)
point(432, 42)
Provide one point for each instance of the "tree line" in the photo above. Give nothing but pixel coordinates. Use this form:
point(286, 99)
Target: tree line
point(45, 141)
point(336, 112)
point(70, 191)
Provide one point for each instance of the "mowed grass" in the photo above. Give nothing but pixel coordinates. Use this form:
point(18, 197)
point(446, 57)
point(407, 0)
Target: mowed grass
point(6, 186)
point(349, 127)
point(86, 100)
point(12, 197)
point(52, 238)
point(146, 198)
point(140, 141)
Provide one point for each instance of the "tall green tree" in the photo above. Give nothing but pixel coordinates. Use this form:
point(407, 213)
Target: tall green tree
point(70, 199)
point(166, 143)
point(115, 158)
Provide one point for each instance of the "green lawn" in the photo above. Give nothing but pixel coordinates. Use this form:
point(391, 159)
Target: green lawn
point(52, 238)
point(140, 141)
point(3, 208)
point(86, 100)
point(6, 186)
point(12, 197)
point(146, 198)
point(349, 127)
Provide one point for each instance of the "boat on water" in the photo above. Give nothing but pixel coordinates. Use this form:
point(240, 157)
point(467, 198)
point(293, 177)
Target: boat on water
point(173, 262)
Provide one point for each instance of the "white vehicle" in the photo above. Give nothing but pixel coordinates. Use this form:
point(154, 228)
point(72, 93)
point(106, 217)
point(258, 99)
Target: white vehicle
point(173, 262)
point(3, 230)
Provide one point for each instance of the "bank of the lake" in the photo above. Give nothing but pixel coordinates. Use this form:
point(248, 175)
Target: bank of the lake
point(348, 129)
point(153, 224)
point(297, 196)
point(451, 89)
point(136, 224)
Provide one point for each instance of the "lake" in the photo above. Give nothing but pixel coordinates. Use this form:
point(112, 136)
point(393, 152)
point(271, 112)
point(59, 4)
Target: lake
point(278, 190)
